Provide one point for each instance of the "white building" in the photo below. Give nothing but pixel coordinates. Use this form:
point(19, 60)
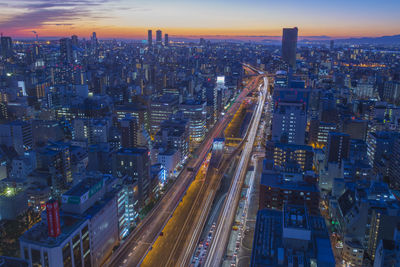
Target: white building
point(170, 160)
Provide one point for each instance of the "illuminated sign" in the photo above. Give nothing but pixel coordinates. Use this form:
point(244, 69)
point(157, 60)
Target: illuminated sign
point(221, 79)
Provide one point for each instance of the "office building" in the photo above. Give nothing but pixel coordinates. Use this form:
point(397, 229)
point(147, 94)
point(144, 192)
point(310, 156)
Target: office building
point(196, 114)
point(290, 238)
point(278, 188)
point(353, 253)
point(174, 134)
point(159, 37)
point(129, 132)
point(338, 147)
point(17, 134)
point(319, 131)
point(290, 156)
point(149, 37)
point(55, 159)
point(13, 202)
point(289, 122)
point(82, 238)
point(166, 39)
point(92, 131)
point(94, 43)
point(380, 147)
point(135, 163)
point(6, 46)
point(66, 50)
point(386, 254)
point(289, 46)
point(162, 108)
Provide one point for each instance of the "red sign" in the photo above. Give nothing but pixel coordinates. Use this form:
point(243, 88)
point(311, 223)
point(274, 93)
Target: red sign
point(53, 218)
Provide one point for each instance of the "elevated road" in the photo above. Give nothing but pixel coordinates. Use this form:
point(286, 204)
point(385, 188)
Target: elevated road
point(219, 241)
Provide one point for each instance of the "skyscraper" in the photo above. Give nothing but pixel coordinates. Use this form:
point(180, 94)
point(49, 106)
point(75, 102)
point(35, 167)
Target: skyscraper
point(159, 37)
point(66, 50)
point(289, 122)
point(150, 37)
point(6, 46)
point(166, 40)
point(338, 147)
point(289, 44)
point(94, 42)
point(74, 39)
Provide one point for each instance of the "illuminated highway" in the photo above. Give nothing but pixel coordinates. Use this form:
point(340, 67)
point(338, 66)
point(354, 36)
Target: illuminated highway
point(180, 236)
point(217, 248)
point(133, 251)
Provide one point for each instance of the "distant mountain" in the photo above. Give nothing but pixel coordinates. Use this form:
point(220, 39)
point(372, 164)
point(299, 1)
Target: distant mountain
point(383, 40)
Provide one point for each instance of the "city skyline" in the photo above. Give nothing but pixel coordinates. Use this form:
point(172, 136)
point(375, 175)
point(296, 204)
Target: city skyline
point(221, 19)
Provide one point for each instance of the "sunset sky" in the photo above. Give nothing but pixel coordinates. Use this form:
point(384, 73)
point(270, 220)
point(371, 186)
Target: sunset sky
point(131, 18)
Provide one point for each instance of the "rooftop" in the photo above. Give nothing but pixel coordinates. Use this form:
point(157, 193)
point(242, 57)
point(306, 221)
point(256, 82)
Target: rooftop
point(84, 186)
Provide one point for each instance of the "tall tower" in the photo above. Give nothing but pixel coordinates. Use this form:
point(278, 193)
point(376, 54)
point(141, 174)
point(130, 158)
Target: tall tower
point(150, 37)
point(166, 39)
point(158, 37)
point(6, 46)
point(66, 50)
point(289, 45)
point(93, 43)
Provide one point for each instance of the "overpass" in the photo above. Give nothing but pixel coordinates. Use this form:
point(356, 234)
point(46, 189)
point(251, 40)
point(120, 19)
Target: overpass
point(219, 241)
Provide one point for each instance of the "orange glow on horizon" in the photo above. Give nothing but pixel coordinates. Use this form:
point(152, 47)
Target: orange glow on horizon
point(105, 32)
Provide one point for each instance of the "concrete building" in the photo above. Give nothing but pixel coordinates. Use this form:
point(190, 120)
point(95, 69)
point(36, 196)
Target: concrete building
point(196, 114)
point(161, 109)
point(289, 46)
point(289, 122)
point(170, 160)
point(134, 162)
point(290, 238)
point(17, 134)
point(277, 188)
point(88, 223)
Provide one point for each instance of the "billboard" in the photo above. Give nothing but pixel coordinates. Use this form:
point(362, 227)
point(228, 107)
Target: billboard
point(53, 218)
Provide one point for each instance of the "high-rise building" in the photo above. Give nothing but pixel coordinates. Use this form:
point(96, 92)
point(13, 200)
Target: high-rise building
point(195, 112)
point(289, 45)
point(66, 50)
point(379, 150)
point(174, 134)
point(338, 147)
point(17, 134)
point(161, 109)
point(6, 46)
point(290, 156)
point(134, 162)
point(158, 37)
point(91, 224)
point(94, 43)
point(150, 37)
point(166, 39)
point(129, 132)
point(289, 122)
point(74, 40)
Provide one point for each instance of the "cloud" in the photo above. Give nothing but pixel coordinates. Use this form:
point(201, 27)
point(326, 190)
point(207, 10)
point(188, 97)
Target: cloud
point(37, 13)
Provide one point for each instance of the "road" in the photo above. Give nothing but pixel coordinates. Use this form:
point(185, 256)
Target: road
point(218, 245)
point(180, 236)
point(135, 248)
